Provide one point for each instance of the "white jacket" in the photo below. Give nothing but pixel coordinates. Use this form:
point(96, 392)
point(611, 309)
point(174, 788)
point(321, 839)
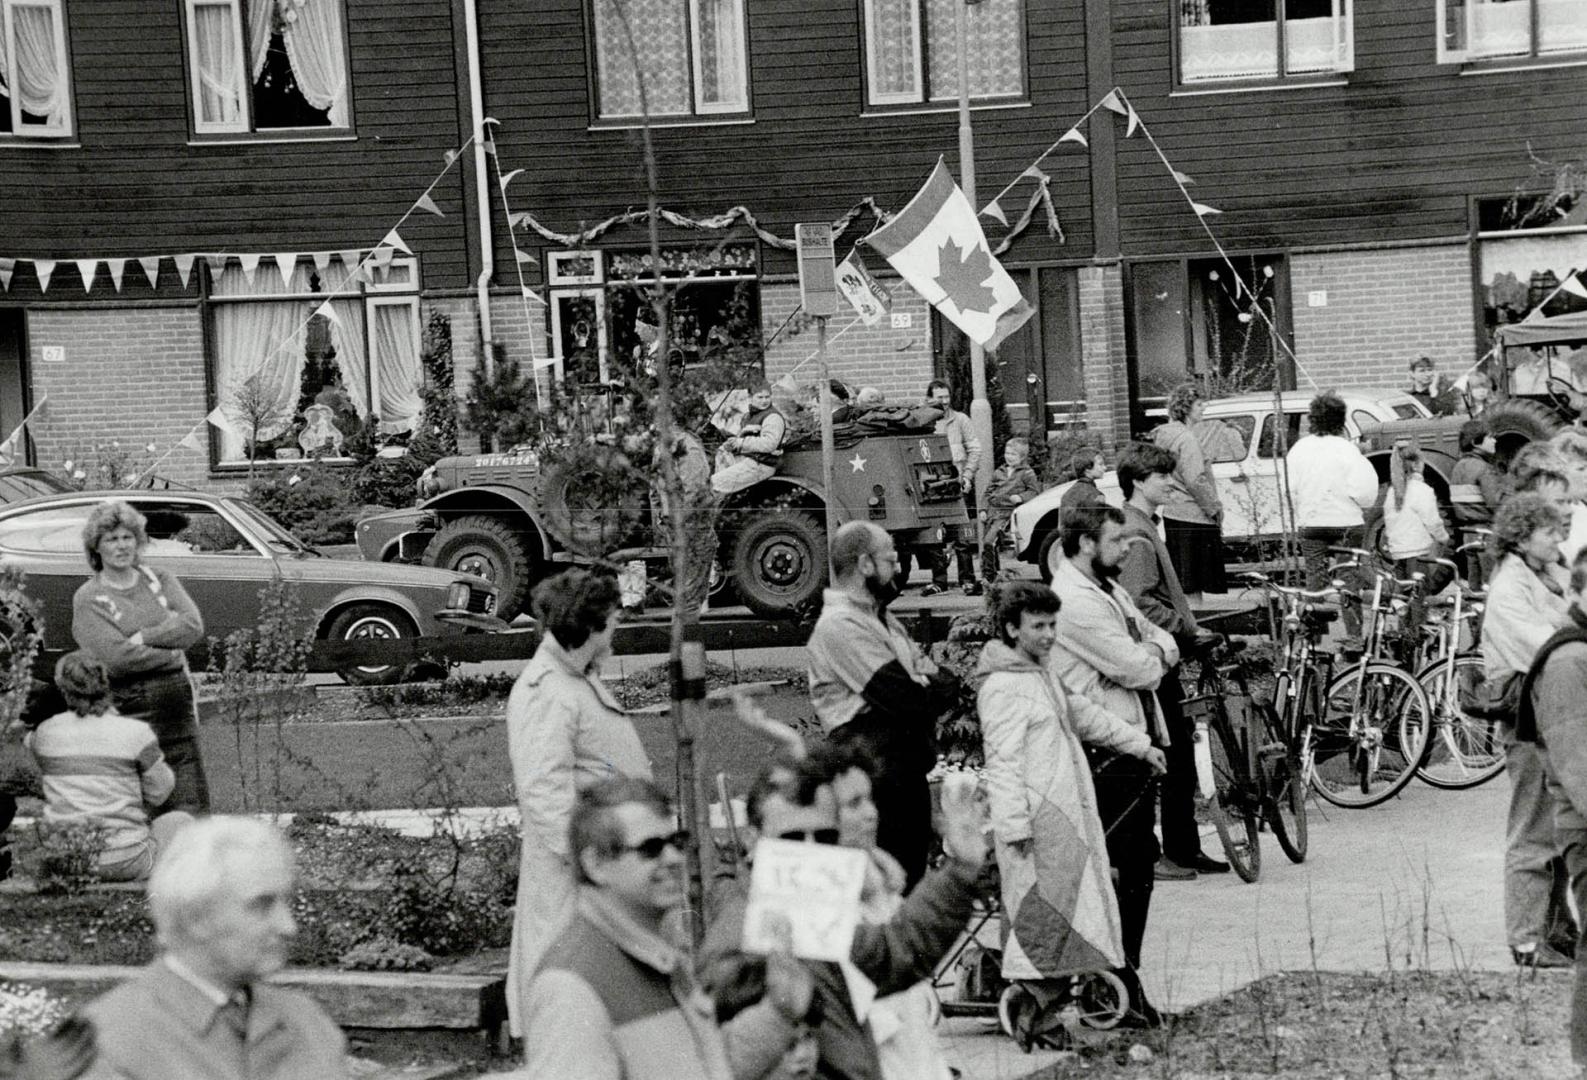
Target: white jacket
point(1331, 482)
point(1414, 529)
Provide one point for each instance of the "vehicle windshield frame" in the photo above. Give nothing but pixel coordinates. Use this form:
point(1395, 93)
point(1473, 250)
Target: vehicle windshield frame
point(276, 534)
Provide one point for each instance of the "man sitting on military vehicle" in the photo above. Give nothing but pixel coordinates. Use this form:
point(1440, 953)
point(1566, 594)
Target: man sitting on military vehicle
point(752, 455)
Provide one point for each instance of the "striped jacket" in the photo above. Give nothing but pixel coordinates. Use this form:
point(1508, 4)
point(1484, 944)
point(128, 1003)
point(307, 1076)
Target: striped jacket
point(103, 770)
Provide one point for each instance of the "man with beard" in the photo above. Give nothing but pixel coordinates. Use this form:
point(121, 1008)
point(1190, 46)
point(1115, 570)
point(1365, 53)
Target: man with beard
point(873, 688)
point(1108, 652)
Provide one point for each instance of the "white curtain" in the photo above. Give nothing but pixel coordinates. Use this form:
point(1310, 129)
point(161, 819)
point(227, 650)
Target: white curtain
point(260, 14)
point(315, 46)
point(719, 31)
point(893, 50)
point(259, 355)
point(662, 42)
point(41, 83)
point(219, 66)
point(396, 367)
point(347, 337)
point(995, 42)
point(5, 91)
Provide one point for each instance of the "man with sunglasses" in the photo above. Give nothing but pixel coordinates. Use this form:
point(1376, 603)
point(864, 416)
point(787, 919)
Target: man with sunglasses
point(800, 804)
point(613, 998)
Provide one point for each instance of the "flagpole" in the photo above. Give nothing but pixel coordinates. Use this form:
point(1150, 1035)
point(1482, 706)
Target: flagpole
point(980, 407)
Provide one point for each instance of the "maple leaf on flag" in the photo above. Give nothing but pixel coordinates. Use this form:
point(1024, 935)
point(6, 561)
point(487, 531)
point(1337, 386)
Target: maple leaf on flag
point(961, 275)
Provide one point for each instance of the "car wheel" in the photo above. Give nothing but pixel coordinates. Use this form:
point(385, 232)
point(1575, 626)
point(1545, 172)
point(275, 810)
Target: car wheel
point(1049, 555)
point(372, 622)
point(486, 548)
point(780, 562)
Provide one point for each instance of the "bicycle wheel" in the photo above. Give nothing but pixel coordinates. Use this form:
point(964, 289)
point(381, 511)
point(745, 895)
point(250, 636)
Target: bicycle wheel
point(1463, 751)
point(1361, 765)
point(1235, 805)
point(1284, 797)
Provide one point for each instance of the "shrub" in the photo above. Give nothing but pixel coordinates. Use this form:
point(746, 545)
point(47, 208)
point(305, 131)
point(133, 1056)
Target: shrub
point(443, 917)
point(67, 857)
point(959, 730)
point(384, 954)
point(313, 500)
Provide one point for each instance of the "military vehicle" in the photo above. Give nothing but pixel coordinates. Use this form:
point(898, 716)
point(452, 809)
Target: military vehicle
point(511, 518)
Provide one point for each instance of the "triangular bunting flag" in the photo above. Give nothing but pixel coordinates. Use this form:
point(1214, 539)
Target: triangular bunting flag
point(222, 421)
point(7, 268)
point(490, 147)
point(286, 263)
point(995, 212)
point(524, 256)
point(380, 258)
point(530, 294)
point(507, 179)
point(427, 203)
point(1573, 285)
point(151, 268)
point(1203, 209)
point(1183, 178)
point(184, 266)
point(351, 259)
point(393, 240)
point(520, 219)
point(1074, 135)
point(87, 268)
point(785, 383)
point(329, 312)
point(191, 440)
point(117, 268)
point(451, 156)
point(1113, 104)
point(322, 261)
point(250, 263)
point(45, 268)
point(1135, 122)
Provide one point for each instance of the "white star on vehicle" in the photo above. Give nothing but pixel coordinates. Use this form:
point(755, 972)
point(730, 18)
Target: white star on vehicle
point(857, 462)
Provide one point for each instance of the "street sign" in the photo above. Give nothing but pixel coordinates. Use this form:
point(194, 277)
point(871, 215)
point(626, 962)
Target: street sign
point(818, 285)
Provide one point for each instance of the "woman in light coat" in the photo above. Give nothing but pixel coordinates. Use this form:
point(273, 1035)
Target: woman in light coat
point(1193, 519)
point(1057, 889)
point(565, 731)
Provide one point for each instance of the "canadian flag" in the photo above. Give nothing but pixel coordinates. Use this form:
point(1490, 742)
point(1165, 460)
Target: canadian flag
point(936, 244)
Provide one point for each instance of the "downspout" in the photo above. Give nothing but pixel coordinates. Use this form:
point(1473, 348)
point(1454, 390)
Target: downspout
point(487, 242)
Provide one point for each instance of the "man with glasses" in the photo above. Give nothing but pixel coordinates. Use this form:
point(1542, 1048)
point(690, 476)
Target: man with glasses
point(613, 998)
point(801, 803)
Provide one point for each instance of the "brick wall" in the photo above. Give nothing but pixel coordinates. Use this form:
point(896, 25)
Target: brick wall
point(130, 375)
point(1384, 309)
point(520, 338)
point(896, 362)
point(1102, 352)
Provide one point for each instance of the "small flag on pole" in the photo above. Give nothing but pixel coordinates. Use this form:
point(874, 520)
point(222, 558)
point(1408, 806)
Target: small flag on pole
point(1074, 135)
point(428, 204)
point(45, 268)
point(937, 246)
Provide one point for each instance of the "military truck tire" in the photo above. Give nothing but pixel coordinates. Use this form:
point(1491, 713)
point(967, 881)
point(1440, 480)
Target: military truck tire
point(779, 561)
point(1049, 554)
point(565, 495)
point(488, 548)
point(1516, 422)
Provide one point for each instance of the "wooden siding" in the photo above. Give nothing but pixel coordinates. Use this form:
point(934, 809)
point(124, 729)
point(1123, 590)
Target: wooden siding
point(807, 155)
point(1392, 155)
point(135, 187)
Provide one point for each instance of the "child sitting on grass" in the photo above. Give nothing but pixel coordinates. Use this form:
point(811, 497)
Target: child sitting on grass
point(101, 768)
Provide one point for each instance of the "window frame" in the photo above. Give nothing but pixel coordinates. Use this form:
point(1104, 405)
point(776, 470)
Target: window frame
point(63, 58)
point(246, 129)
point(698, 113)
point(922, 99)
point(1465, 57)
point(1343, 67)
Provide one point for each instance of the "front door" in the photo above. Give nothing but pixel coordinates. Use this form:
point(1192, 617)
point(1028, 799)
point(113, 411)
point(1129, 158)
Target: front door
point(15, 400)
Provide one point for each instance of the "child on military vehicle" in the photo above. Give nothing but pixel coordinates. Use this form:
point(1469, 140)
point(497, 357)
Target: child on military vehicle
point(1013, 483)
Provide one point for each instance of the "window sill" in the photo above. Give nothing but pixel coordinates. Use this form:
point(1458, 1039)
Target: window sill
point(1269, 86)
point(39, 142)
point(872, 112)
point(230, 470)
point(1514, 64)
point(635, 123)
point(241, 138)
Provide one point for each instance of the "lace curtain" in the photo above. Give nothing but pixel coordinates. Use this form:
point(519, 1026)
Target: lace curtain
point(215, 49)
point(661, 39)
point(893, 48)
point(995, 43)
point(259, 350)
point(397, 375)
point(40, 79)
point(721, 62)
point(315, 47)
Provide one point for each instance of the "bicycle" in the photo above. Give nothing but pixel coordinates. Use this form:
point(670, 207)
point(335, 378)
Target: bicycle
point(1371, 732)
point(1232, 774)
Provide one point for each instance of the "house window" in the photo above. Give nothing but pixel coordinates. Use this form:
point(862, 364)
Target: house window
point(294, 381)
point(1263, 39)
point(267, 65)
point(35, 79)
point(1509, 29)
point(692, 54)
point(911, 50)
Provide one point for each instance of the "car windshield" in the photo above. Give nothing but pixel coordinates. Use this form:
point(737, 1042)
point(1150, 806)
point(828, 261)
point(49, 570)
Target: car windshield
point(25, 485)
point(1409, 410)
point(275, 534)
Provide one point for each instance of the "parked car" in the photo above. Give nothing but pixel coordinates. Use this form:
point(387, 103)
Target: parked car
point(1244, 461)
point(24, 482)
point(225, 550)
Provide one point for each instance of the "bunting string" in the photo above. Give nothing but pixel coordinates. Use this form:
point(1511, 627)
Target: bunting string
point(519, 257)
point(715, 223)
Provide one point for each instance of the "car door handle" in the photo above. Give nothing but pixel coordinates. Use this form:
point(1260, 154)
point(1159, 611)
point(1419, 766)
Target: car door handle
point(1239, 478)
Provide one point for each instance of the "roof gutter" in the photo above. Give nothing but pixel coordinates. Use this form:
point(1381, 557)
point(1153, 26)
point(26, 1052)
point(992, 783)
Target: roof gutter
point(487, 242)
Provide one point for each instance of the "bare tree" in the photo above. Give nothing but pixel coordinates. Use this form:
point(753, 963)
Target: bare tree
point(259, 410)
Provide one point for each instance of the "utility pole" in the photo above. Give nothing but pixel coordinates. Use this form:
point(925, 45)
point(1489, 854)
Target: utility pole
point(980, 407)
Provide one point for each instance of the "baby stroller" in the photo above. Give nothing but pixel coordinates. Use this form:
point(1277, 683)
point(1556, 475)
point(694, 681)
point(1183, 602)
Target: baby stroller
point(1034, 1014)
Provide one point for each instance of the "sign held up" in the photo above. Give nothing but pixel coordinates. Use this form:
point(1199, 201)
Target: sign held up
point(810, 892)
